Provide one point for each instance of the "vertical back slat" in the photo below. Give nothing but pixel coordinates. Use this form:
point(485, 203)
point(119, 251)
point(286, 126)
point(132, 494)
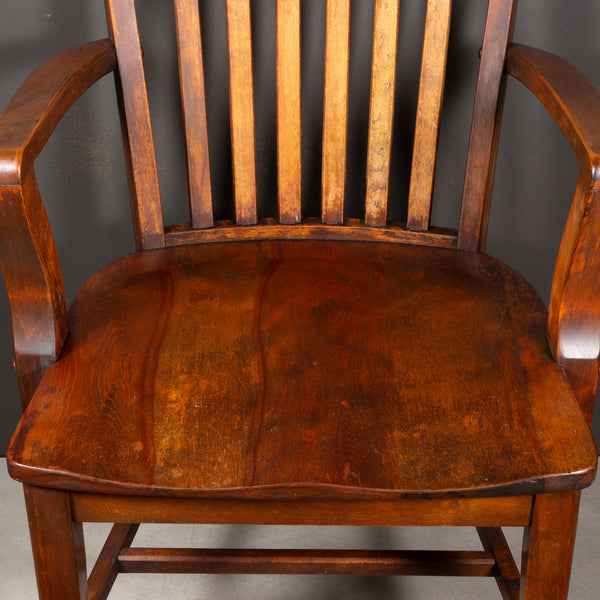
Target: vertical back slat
point(191, 77)
point(485, 128)
point(335, 110)
point(289, 135)
point(136, 126)
point(431, 91)
point(383, 79)
point(241, 98)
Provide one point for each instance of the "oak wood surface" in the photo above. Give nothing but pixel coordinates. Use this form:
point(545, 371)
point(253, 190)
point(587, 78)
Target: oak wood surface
point(193, 106)
point(307, 562)
point(381, 110)
point(335, 110)
point(512, 511)
point(289, 129)
point(241, 99)
point(548, 547)
point(431, 91)
point(57, 543)
point(146, 207)
point(574, 309)
point(314, 374)
point(485, 127)
point(311, 229)
point(38, 105)
point(506, 572)
point(27, 251)
point(309, 384)
point(107, 568)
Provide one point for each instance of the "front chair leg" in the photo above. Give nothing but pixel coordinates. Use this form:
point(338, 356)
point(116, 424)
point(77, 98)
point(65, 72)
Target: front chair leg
point(548, 547)
point(57, 541)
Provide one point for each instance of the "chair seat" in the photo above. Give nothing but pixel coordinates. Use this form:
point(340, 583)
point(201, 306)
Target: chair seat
point(303, 368)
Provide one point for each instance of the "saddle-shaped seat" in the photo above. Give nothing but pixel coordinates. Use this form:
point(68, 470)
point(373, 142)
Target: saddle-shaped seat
point(293, 368)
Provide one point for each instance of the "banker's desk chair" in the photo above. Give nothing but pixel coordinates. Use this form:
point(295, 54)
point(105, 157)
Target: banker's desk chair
point(302, 368)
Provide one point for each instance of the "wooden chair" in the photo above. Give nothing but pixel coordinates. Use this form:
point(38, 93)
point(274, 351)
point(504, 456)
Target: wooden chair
point(295, 370)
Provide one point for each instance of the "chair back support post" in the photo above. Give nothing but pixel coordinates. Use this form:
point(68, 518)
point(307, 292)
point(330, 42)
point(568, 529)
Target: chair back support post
point(485, 128)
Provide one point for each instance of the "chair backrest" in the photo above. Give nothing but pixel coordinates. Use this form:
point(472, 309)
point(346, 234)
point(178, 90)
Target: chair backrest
point(143, 178)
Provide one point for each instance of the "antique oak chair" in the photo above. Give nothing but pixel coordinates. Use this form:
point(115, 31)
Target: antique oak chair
point(296, 370)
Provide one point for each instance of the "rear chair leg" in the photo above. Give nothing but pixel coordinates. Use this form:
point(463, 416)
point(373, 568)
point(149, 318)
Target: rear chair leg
point(57, 542)
point(548, 547)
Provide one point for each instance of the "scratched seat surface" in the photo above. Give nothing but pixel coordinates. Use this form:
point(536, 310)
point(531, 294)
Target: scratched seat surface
point(280, 369)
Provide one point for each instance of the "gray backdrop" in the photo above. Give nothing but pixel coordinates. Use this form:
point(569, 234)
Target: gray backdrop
point(81, 172)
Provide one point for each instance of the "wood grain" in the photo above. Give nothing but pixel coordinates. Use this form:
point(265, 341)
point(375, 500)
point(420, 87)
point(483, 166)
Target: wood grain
point(136, 127)
point(574, 104)
point(27, 250)
point(289, 129)
point(241, 98)
point(383, 86)
point(487, 512)
point(305, 313)
point(431, 92)
point(320, 375)
point(34, 283)
point(335, 111)
point(311, 229)
point(485, 126)
point(107, 568)
point(307, 562)
point(506, 572)
point(548, 547)
point(42, 100)
point(193, 104)
point(57, 544)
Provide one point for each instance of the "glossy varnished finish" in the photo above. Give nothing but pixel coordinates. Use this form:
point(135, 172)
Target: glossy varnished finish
point(57, 543)
point(304, 370)
point(27, 251)
point(137, 130)
point(328, 397)
point(548, 547)
point(512, 511)
point(485, 127)
point(573, 315)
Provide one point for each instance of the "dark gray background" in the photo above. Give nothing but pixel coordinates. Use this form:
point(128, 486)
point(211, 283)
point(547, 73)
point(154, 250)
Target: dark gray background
point(81, 172)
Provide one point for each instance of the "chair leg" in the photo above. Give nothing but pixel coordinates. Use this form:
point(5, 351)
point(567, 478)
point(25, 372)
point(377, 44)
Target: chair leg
point(548, 547)
point(57, 542)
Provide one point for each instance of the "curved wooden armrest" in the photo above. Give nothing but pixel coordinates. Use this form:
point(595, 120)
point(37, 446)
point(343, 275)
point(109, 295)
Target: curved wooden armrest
point(569, 96)
point(574, 312)
point(28, 254)
point(43, 99)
